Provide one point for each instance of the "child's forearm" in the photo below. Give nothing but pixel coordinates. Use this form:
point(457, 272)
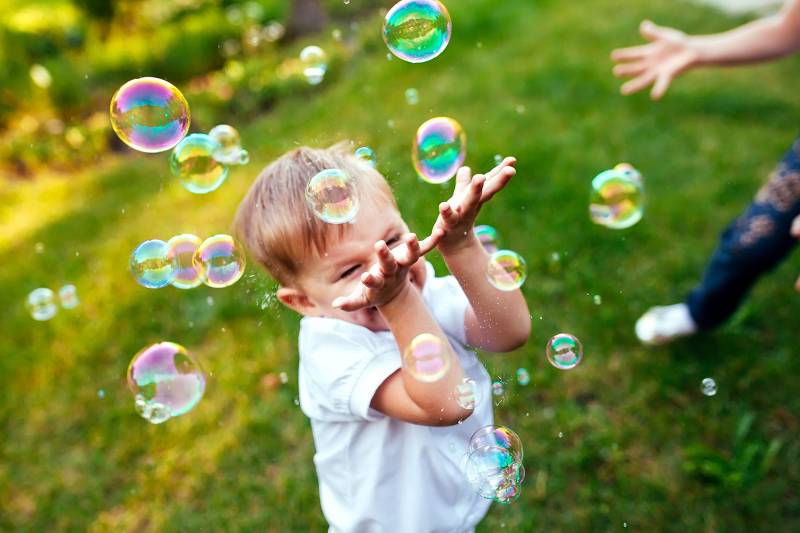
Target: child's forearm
point(407, 317)
point(760, 40)
point(502, 321)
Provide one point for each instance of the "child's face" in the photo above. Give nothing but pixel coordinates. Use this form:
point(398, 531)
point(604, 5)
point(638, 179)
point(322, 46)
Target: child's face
point(338, 271)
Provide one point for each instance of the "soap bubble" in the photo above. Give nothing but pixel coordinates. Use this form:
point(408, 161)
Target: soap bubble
point(523, 377)
point(332, 196)
point(709, 387)
point(617, 198)
point(68, 296)
point(41, 304)
point(166, 381)
point(501, 436)
point(440, 147)
point(41, 76)
point(467, 393)
point(488, 237)
point(507, 270)
point(412, 96)
point(367, 155)
point(151, 265)
point(497, 388)
point(220, 261)
point(417, 30)
point(181, 250)
point(493, 466)
point(244, 157)
point(315, 64)
point(564, 351)
point(629, 171)
point(426, 358)
point(193, 163)
point(597, 299)
point(149, 114)
point(230, 144)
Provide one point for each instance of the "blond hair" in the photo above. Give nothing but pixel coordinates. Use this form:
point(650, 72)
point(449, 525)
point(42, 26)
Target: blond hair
point(276, 225)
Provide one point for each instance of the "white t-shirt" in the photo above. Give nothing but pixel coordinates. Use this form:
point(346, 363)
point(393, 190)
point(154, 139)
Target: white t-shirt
point(379, 474)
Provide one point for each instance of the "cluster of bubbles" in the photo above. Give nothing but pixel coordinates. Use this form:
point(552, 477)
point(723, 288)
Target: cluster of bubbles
point(185, 262)
point(42, 302)
point(332, 196)
point(708, 387)
point(149, 114)
point(617, 197)
point(493, 465)
point(488, 237)
point(201, 161)
point(315, 64)
point(366, 155)
point(426, 358)
point(166, 381)
point(440, 147)
point(507, 270)
point(564, 351)
point(417, 30)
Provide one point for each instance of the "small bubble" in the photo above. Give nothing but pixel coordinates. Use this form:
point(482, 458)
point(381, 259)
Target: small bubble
point(210, 300)
point(283, 377)
point(560, 435)
point(597, 299)
point(709, 387)
point(296, 400)
point(39, 248)
point(101, 394)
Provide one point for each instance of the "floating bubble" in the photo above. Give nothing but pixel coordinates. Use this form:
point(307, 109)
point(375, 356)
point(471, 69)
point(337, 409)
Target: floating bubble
point(68, 296)
point(244, 157)
point(41, 76)
point(41, 304)
point(181, 250)
point(467, 393)
point(440, 147)
point(709, 387)
point(193, 163)
point(230, 144)
point(507, 270)
point(597, 299)
point(367, 155)
point(149, 114)
point(220, 261)
point(151, 265)
point(426, 358)
point(629, 171)
point(412, 96)
point(523, 377)
point(564, 351)
point(487, 468)
point(617, 198)
point(332, 196)
point(497, 388)
point(417, 30)
point(498, 159)
point(166, 381)
point(500, 436)
point(315, 64)
point(488, 237)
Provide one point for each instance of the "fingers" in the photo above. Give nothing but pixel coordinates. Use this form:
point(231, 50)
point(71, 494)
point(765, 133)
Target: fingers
point(448, 214)
point(353, 302)
point(497, 183)
point(462, 179)
point(507, 162)
point(474, 193)
point(633, 53)
point(637, 84)
point(412, 251)
point(430, 242)
point(627, 70)
point(387, 263)
point(661, 85)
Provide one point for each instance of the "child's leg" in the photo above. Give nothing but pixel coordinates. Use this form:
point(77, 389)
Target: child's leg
point(751, 245)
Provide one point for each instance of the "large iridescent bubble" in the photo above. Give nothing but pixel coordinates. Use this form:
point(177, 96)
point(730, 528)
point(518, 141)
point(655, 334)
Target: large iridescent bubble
point(417, 30)
point(151, 265)
point(440, 147)
point(220, 261)
point(493, 465)
point(426, 358)
point(181, 250)
point(332, 196)
point(506, 270)
point(149, 114)
point(166, 381)
point(617, 197)
point(564, 351)
point(194, 164)
point(315, 64)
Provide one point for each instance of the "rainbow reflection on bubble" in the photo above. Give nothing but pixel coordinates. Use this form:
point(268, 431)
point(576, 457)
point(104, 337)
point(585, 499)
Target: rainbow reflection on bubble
point(467, 393)
point(523, 377)
point(426, 358)
point(367, 155)
point(230, 150)
point(488, 237)
point(332, 196)
point(68, 296)
point(501, 436)
point(192, 161)
point(564, 351)
point(181, 250)
point(220, 260)
point(41, 304)
point(617, 197)
point(150, 265)
point(417, 30)
point(507, 270)
point(149, 114)
point(166, 381)
point(440, 147)
point(315, 64)
point(493, 464)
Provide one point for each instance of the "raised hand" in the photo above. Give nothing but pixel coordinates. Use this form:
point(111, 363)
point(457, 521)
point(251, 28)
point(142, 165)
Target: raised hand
point(389, 275)
point(668, 54)
point(458, 214)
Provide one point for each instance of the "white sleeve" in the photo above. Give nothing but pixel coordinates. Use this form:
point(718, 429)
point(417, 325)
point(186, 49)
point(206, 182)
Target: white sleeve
point(447, 302)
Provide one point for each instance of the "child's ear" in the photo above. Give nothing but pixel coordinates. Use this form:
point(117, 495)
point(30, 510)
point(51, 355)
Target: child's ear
point(297, 300)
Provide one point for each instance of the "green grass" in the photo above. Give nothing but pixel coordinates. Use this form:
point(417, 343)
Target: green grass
point(640, 445)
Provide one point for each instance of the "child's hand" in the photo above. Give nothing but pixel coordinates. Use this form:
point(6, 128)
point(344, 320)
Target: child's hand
point(458, 214)
point(667, 55)
point(389, 276)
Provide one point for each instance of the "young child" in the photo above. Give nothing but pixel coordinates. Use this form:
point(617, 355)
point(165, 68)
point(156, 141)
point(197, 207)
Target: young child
point(765, 233)
point(389, 447)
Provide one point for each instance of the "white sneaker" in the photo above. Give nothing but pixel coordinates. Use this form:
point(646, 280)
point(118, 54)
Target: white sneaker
point(661, 325)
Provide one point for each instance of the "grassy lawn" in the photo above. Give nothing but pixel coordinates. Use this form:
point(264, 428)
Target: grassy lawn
point(624, 440)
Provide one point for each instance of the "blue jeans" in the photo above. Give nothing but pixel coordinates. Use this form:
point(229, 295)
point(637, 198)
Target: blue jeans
point(751, 245)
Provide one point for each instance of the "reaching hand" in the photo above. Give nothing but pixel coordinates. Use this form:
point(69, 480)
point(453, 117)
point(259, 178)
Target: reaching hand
point(668, 54)
point(458, 214)
point(387, 278)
